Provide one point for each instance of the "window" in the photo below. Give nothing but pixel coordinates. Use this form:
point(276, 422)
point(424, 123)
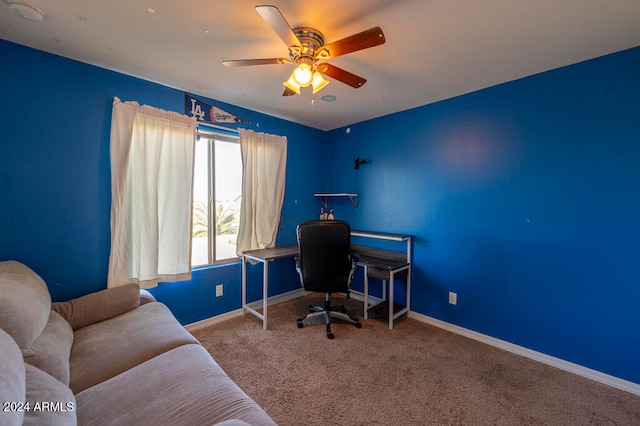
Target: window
point(217, 192)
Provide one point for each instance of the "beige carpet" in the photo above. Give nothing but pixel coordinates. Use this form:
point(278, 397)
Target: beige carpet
point(415, 374)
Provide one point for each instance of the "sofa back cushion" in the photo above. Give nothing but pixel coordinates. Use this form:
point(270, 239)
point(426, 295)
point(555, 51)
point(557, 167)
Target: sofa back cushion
point(25, 303)
point(12, 374)
point(51, 350)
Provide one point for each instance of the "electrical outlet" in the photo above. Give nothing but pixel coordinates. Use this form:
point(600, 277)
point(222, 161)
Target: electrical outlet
point(219, 290)
point(453, 298)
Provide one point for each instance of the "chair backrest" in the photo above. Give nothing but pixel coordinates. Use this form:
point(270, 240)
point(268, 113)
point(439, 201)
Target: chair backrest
point(324, 255)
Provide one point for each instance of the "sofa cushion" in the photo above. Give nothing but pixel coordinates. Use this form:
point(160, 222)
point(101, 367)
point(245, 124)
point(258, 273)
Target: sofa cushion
point(107, 348)
point(184, 386)
point(99, 306)
point(50, 402)
point(12, 373)
point(25, 303)
point(51, 350)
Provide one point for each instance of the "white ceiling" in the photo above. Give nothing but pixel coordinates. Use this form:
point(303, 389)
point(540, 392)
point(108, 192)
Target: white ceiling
point(435, 49)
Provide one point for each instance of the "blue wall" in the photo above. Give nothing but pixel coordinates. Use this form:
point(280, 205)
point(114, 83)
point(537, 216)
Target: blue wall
point(524, 199)
point(55, 188)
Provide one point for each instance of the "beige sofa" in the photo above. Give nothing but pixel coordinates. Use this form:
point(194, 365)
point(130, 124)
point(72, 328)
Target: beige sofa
point(106, 358)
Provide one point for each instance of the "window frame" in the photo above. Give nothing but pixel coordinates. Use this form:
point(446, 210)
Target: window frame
point(222, 135)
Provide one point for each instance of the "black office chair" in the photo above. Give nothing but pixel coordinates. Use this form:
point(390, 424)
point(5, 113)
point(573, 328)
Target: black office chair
point(325, 264)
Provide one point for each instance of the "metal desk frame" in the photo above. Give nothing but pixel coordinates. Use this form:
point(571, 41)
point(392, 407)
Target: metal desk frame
point(392, 267)
point(267, 255)
point(264, 256)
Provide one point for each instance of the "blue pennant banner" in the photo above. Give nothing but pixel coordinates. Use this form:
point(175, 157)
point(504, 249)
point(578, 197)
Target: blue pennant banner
point(207, 113)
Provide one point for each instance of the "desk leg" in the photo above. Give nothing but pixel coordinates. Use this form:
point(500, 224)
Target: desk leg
point(265, 292)
point(244, 284)
point(408, 291)
point(366, 292)
point(391, 285)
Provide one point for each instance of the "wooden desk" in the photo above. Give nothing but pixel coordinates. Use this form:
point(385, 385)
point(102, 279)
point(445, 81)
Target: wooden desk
point(265, 256)
point(386, 265)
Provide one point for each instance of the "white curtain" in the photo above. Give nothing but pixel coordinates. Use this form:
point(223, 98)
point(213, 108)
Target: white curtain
point(151, 186)
point(264, 160)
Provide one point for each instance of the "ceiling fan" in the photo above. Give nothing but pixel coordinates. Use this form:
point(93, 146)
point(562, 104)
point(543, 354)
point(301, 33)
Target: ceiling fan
point(309, 53)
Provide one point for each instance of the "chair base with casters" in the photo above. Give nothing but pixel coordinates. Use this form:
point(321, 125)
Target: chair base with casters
point(329, 312)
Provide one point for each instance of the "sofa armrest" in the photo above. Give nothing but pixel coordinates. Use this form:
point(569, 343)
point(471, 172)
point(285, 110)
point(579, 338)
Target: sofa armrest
point(99, 306)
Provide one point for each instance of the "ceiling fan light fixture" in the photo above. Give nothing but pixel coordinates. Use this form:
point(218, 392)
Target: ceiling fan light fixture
point(318, 82)
point(302, 74)
point(291, 84)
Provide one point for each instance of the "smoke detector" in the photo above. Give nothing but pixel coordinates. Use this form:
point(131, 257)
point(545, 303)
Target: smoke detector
point(26, 11)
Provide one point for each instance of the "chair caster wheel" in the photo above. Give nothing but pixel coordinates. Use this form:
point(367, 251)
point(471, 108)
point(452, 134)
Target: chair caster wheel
point(330, 335)
point(358, 325)
point(300, 325)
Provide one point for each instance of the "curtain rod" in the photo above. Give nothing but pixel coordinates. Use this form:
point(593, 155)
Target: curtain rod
point(214, 126)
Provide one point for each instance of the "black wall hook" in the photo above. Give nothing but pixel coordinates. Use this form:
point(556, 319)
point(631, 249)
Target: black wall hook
point(360, 161)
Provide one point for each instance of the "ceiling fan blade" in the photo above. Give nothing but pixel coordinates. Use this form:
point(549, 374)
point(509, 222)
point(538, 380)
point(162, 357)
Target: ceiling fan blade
point(341, 75)
point(249, 62)
point(278, 24)
point(288, 92)
point(364, 40)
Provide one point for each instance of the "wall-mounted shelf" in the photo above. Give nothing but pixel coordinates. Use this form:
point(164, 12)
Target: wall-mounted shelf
point(323, 196)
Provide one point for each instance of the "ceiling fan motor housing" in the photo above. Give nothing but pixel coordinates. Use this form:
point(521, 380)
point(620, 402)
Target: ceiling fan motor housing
point(311, 41)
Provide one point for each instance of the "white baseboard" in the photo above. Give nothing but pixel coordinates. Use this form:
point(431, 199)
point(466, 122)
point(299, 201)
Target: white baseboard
point(280, 298)
point(588, 373)
point(213, 320)
point(358, 295)
point(273, 300)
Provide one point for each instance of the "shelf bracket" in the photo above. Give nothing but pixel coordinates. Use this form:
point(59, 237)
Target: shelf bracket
point(323, 197)
point(323, 201)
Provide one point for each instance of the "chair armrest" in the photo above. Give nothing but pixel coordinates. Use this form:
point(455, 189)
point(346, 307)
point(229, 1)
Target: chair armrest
point(99, 306)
